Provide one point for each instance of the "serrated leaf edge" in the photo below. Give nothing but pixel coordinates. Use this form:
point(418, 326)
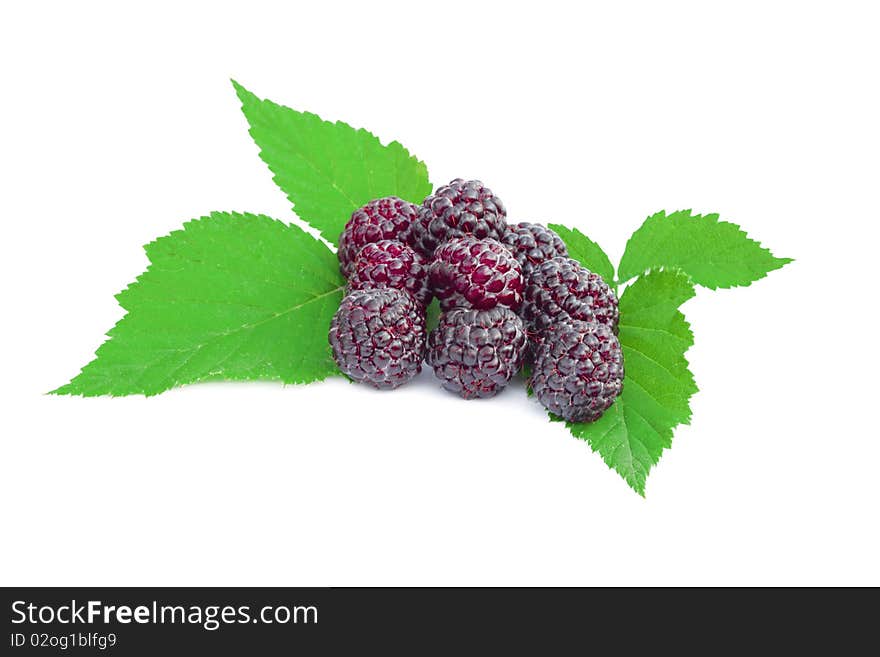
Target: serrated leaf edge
point(716, 218)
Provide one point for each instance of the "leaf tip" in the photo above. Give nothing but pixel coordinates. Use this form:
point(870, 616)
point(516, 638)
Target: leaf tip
point(634, 481)
point(241, 91)
point(67, 390)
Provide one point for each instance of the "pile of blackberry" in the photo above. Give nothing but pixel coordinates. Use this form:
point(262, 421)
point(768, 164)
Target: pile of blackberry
point(509, 295)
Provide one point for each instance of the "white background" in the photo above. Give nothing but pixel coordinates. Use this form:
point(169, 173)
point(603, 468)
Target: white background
point(118, 124)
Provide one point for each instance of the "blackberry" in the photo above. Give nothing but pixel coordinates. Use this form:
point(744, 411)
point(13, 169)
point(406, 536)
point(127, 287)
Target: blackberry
point(386, 218)
point(476, 352)
point(560, 288)
point(532, 244)
point(457, 209)
point(578, 371)
point(475, 273)
point(391, 264)
point(378, 337)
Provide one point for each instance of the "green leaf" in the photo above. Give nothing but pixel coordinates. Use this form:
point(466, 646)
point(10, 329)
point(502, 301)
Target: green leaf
point(230, 296)
point(432, 315)
point(328, 170)
point(657, 387)
point(714, 253)
point(586, 251)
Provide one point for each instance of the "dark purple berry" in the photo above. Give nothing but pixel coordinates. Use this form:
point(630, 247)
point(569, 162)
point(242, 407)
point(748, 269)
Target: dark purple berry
point(472, 273)
point(391, 264)
point(387, 218)
point(578, 371)
point(476, 352)
point(378, 337)
point(457, 209)
point(532, 244)
point(560, 288)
